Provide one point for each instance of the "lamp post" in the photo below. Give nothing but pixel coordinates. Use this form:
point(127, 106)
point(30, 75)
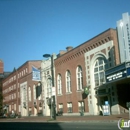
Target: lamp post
point(53, 95)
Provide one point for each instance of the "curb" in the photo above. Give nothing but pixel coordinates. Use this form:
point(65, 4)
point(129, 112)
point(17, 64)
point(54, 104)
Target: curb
point(55, 121)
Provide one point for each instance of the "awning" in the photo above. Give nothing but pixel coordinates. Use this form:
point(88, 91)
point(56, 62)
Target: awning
point(102, 95)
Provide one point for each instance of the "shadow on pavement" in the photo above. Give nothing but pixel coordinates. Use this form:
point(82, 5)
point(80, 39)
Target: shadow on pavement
point(29, 126)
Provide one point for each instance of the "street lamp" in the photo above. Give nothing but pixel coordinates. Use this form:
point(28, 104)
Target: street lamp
point(53, 106)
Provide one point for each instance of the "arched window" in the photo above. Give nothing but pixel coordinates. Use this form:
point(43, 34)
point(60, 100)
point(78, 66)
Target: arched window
point(59, 85)
point(99, 74)
point(29, 93)
point(68, 81)
point(79, 78)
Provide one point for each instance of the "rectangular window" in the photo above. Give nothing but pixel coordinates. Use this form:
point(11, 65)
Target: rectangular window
point(69, 107)
point(9, 107)
point(96, 79)
point(61, 107)
point(81, 106)
point(14, 86)
point(59, 87)
point(26, 70)
point(101, 75)
point(68, 87)
point(18, 95)
point(15, 107)
point(12, 96)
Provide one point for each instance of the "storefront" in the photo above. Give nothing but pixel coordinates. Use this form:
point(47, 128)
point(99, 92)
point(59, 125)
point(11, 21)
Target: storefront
point(120, 77)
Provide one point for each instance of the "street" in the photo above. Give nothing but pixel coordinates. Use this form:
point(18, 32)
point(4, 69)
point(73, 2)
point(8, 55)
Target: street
point(58, 126)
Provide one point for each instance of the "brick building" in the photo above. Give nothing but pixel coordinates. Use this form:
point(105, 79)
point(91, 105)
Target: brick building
point(1, 67)
point(17, 88)
point(83, 66)
point(2, 76)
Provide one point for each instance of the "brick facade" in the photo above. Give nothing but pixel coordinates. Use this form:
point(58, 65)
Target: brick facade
point(75, 57)
point(1, 66)
point(11, 85)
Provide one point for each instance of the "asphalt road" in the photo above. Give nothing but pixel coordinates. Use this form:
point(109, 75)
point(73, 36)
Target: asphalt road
point(58, 126)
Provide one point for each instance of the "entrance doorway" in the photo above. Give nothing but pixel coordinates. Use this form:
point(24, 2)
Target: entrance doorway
point(102, 101)
point(123, 91)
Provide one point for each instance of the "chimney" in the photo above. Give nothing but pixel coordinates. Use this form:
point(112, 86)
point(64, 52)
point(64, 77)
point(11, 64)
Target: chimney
point(1, 66)
point(69, 48)
point(62, 52)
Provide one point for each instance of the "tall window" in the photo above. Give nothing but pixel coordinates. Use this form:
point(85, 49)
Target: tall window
point(99, 68)
point(49, 87)
point(29, 93)
point(61, 107)
point(81, 106)
point(59, 84)
point(69, 107)
point(34, 91)
point(79, 78)
point(15, 107)
point(24, 94)
point(68, 81)
point(9, 107)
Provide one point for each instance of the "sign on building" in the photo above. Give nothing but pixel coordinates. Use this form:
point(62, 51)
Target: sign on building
point(36, 76)
point(117, 73)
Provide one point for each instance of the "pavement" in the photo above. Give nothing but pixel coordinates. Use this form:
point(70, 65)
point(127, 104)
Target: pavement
point(88, 118)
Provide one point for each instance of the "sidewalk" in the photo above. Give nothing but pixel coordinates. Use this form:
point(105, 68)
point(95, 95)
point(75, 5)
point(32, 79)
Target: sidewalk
point(89, 118)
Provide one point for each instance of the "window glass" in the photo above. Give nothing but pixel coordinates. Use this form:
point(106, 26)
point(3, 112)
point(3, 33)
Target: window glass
point(79, 78)
point(99, 75)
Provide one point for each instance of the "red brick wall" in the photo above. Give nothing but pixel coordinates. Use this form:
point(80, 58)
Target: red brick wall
point(75, 96)
point(71, 59)
point(26, 77)
point(1, 67)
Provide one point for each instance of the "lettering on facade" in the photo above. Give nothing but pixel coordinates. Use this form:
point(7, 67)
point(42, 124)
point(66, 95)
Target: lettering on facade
point(128, 35)
point(117, 75)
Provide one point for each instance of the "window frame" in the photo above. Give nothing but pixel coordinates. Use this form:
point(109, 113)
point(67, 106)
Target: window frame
point(59, 84)
point(68, 81)
point(79, 77)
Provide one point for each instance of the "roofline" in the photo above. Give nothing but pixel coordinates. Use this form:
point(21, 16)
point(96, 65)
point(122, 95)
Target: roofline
point(20, 67)
point(86, 42)
point(26, 63)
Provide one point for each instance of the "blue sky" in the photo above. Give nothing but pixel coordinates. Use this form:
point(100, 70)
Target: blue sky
point(31, 28)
